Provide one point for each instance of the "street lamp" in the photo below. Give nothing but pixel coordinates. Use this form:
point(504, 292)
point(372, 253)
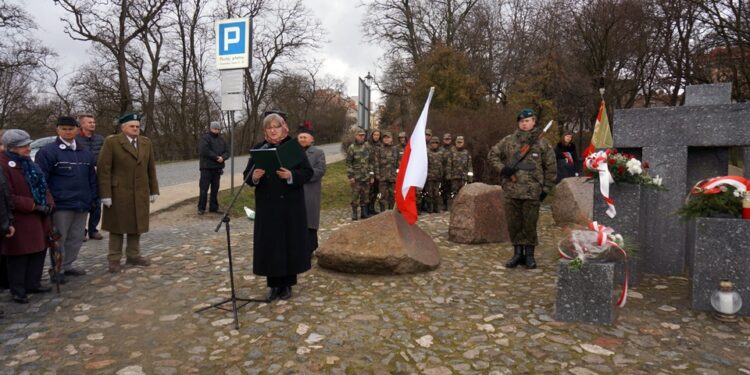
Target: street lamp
point(369, 78)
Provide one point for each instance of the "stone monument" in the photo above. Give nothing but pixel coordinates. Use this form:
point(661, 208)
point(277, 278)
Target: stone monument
point(478, 215)
point(682, 145)
point(585, 295)
point(383, 244)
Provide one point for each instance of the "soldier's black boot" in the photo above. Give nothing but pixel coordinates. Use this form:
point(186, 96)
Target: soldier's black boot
point(390, 205)
point(530, 261)
point(371, 209)
point(354, 213)
point(364, 214)
point(436, 208)
point(517, 257)
point(382, 207)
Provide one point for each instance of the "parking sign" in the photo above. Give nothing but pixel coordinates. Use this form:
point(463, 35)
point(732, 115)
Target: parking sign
point(233, 43)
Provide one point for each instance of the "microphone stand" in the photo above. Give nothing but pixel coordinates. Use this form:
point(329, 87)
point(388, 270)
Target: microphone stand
point(233, 298)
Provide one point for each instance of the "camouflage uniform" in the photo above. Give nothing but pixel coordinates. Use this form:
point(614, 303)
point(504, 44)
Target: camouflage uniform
point(536, 174)
point(421, 193)
point(374, 152)
point(399, 147)
point(459, 170)
point(359, 168)
point(446, 151)
point(435, 172)
point(385, 173)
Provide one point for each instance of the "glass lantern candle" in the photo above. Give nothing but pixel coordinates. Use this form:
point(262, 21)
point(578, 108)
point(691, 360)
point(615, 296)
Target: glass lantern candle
point(726, 301)
point(746, 206)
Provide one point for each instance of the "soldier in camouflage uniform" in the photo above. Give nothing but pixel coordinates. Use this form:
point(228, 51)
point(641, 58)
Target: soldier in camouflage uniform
point(385, 172)
point(434, 176)
point(525, 184)
point(401, 146)
point(459, 169)
point(360, 173)
point(375, 142)
point(446, 150)
point(421, 193)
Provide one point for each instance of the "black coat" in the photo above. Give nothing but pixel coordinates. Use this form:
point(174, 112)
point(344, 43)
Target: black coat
point(280, 228)
point(564, 167)
point(6, 207)
point(209, 148)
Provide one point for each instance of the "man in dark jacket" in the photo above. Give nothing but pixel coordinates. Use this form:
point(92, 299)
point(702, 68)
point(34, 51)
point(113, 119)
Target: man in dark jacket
point(93, 142)
point(69, 171)
point(213, 153)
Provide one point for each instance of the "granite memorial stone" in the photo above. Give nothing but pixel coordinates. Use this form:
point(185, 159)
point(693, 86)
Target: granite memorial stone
point(586, 294)
point(682, 145)
point(627, 222)
point(719, 249)
point(573, 201)
point(478, 215)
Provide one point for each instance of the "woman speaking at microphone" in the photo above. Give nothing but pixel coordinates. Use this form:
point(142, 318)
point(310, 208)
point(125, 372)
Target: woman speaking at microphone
point(280, 231)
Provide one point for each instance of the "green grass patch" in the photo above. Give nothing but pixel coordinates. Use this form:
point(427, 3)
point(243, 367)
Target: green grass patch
point(335, 192)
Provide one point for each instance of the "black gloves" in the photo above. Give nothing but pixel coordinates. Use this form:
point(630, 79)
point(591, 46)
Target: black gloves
point(508, 171)
point(44, 209)
point(542, 196)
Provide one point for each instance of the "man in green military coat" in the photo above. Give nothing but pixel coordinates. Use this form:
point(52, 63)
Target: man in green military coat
point(126, 172)
point(526, 181)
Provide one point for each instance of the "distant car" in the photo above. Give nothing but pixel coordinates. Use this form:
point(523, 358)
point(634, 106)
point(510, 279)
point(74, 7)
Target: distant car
point(39, 143)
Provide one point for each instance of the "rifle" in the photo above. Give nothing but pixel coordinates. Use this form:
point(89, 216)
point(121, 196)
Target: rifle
point(527, 147)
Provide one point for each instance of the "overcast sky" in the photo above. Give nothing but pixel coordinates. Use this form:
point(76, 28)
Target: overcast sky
point(347, 56)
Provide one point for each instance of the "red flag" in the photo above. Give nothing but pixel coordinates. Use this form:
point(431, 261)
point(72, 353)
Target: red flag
point(412, 171)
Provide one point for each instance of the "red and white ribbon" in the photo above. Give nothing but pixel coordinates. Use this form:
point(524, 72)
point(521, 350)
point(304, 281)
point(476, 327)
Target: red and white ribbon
point(602, 238)
point(712, 185)
point(598, 162)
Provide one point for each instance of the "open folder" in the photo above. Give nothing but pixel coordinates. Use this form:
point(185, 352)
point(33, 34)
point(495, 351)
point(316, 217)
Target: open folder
point(288, 155)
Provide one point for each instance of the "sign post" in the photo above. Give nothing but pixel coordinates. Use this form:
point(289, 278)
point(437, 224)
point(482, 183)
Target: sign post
point(232, 58)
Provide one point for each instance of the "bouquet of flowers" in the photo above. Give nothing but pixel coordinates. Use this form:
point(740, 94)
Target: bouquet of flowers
point(718, 197)
point(623, 167)
point(597, 242)
point(611, 166)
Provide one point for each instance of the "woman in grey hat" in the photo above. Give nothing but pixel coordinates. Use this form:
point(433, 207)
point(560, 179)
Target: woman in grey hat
point(33, 206)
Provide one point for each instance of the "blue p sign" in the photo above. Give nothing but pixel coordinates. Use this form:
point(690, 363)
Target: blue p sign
point(232, 38)
point(233, 43)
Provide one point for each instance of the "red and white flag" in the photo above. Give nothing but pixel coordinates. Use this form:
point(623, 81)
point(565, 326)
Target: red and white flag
point(412, 171)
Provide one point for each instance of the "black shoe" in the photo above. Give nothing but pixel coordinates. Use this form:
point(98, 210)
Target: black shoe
point(273, 294)
point(216, 211)
point(39, 290)
point(20, 299)
point(285, 293)
point(201, 212)
point(74, 272)
point(530, 261)
point(53, 277)
point(517, 257)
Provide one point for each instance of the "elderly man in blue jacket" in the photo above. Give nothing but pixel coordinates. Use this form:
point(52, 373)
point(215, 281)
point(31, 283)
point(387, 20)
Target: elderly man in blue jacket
point(69, 170)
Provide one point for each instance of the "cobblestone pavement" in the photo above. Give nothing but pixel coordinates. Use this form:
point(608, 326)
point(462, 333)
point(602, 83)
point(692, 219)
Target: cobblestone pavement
point(469, 316)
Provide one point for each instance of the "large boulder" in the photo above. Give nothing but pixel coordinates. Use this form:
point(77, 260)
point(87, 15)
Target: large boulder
point(573, 202)
point(478, 215)
point(382, 244)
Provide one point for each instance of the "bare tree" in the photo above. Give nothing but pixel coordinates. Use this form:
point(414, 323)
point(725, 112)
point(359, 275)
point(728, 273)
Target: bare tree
point(93, 21)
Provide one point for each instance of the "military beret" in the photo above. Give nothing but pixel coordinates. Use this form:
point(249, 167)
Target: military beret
point(402, 135)
point(387, 134)
point(132, 116)
point(434, 140)
point(525, 113)
point(66, 121)
point(460, 138)
point(428, 132)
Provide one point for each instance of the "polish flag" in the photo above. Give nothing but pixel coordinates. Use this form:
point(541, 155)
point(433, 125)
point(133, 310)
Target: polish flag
point(412, 171)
